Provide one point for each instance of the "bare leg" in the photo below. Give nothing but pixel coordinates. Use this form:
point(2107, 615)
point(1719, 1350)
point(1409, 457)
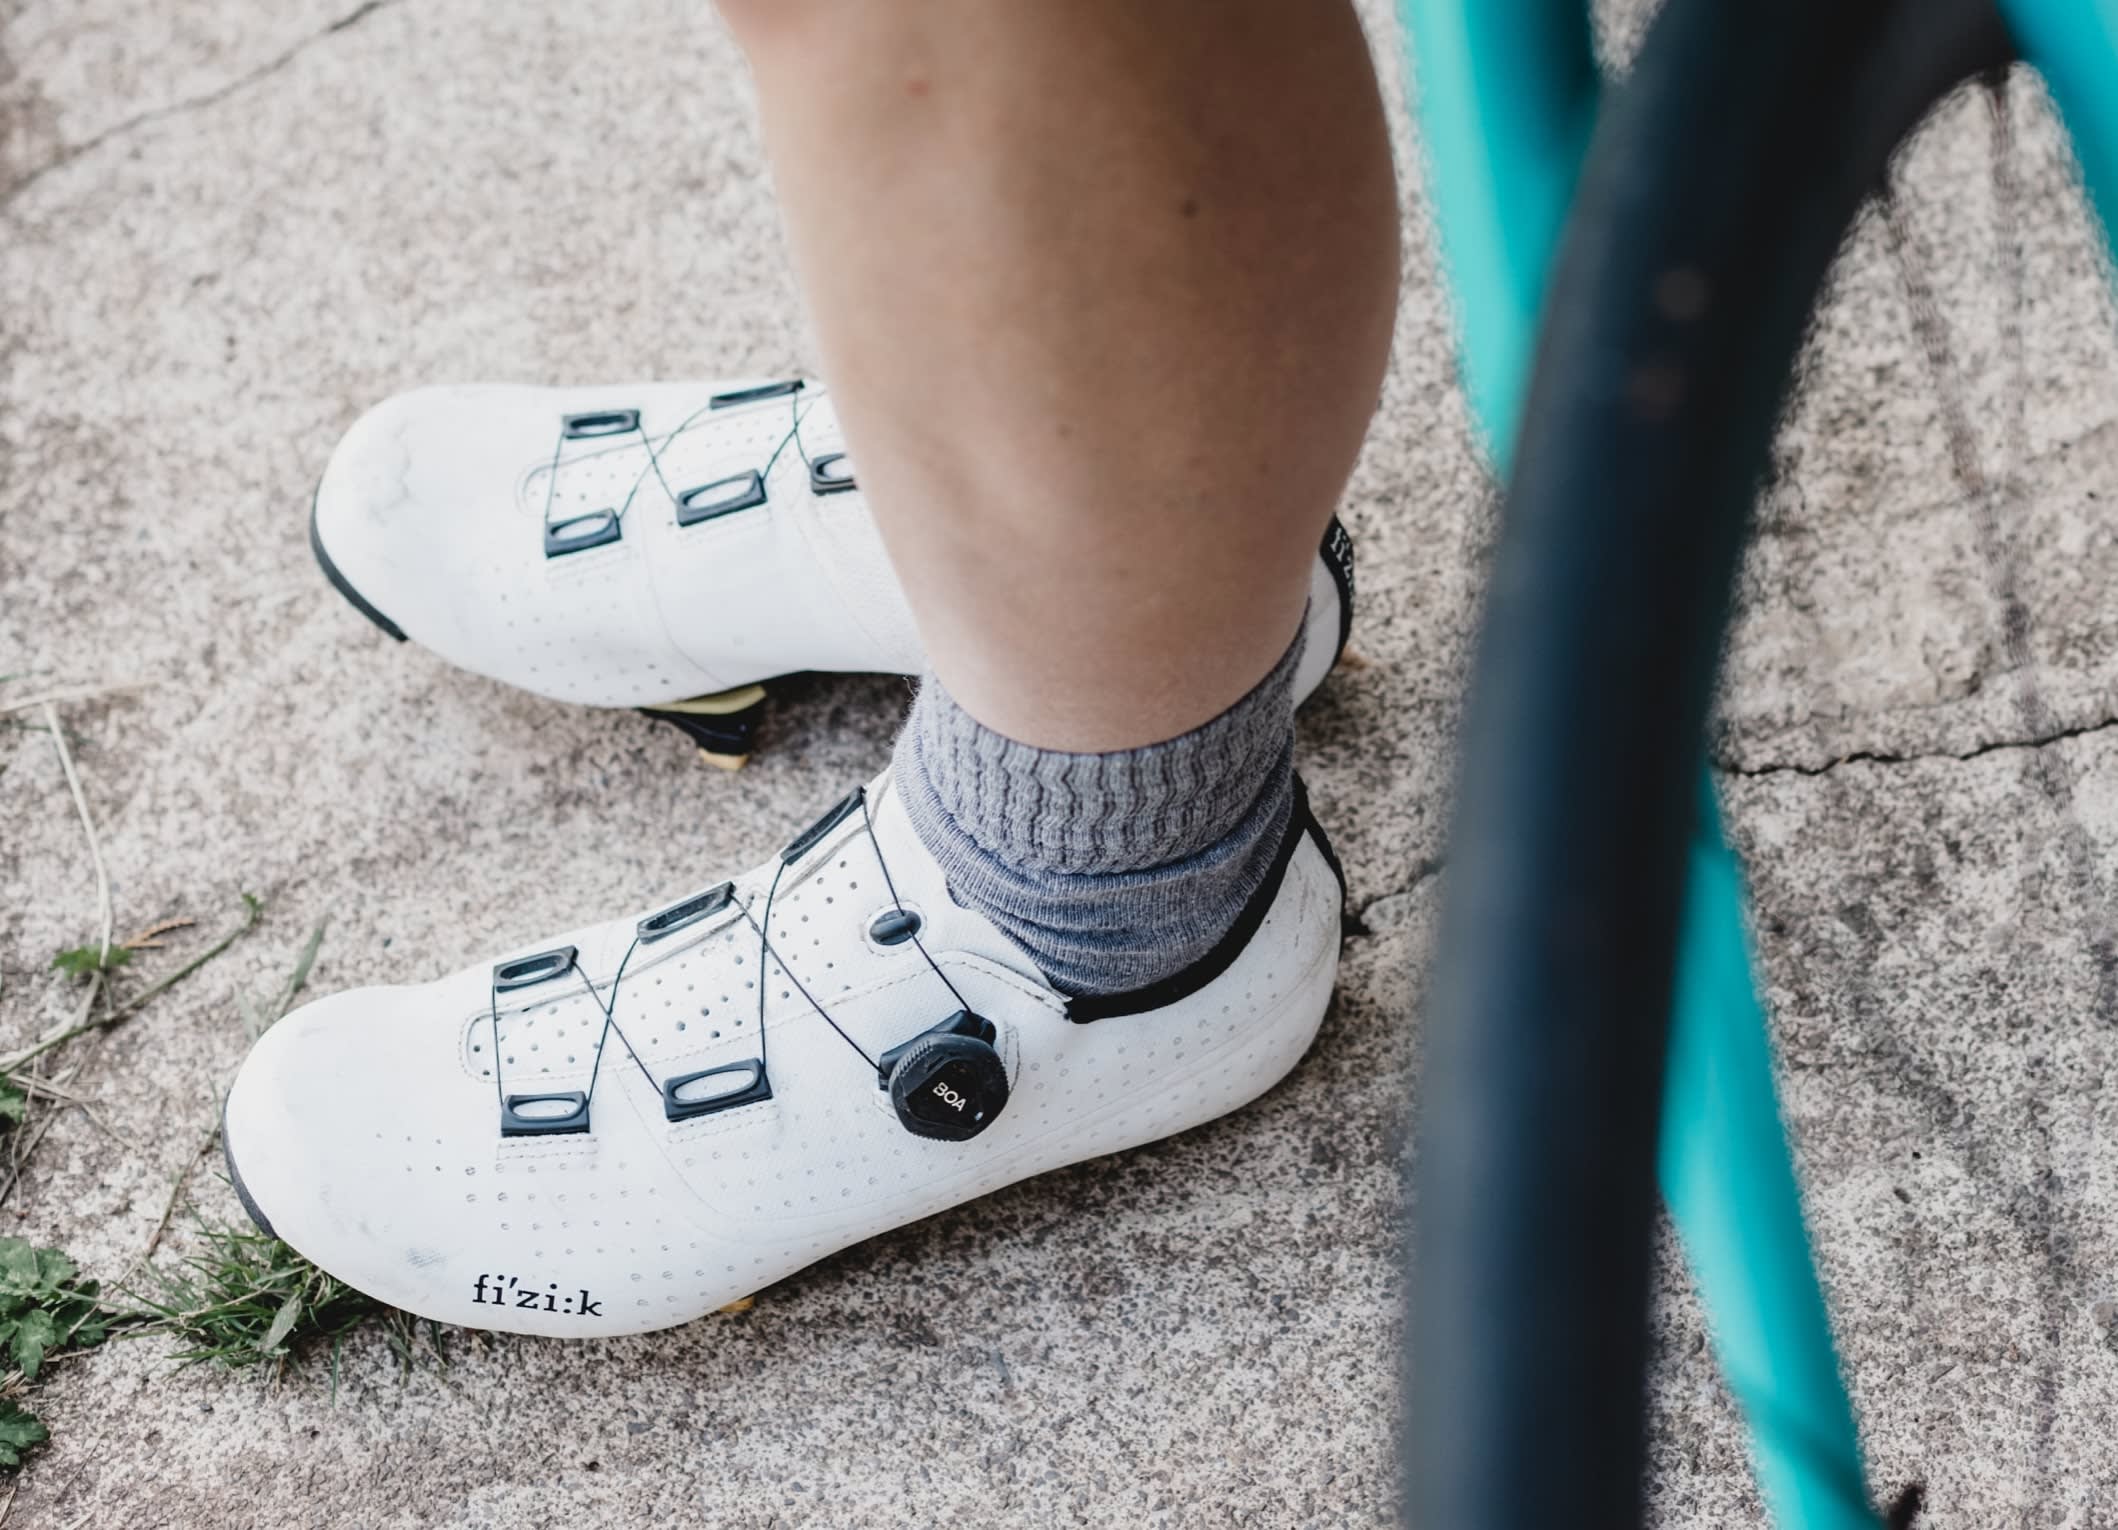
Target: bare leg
point(1105, 292)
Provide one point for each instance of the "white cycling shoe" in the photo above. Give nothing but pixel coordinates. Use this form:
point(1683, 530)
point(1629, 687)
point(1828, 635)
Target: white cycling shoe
point(667, 546)
point(640, 1122)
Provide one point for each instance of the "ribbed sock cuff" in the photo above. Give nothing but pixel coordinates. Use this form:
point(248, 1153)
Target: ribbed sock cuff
point(1112, 870)
point(1048, 810)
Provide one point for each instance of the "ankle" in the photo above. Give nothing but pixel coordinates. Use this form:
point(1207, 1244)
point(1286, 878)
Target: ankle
point(1113, 871)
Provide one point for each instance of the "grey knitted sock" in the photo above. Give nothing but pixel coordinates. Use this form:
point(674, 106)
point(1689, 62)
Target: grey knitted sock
point(1112, 870)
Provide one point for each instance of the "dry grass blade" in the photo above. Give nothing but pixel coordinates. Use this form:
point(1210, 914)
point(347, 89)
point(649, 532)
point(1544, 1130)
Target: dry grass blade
point(88, 827)
point(150, 939)
point(49, 699)
point(252, 910)
point(176, 1192)
point(258, 1021)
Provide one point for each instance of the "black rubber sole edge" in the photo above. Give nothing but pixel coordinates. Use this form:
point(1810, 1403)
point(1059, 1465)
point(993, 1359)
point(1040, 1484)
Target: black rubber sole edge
point(235, 1178)
point(343, 585)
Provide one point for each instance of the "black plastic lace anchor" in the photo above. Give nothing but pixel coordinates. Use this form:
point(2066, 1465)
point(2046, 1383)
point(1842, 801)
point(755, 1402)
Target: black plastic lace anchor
point(593, 528)
point(828, 474)
point(723, 1087)
point(599, 528)
point(558, 1112)
point(746, 490)
point(947, 1082)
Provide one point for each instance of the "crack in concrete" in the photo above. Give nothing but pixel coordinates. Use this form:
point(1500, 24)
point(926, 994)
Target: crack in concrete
point(213, 97)
point(1356, 919)
point(1881, 757)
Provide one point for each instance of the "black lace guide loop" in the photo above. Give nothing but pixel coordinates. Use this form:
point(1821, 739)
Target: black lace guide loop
point(554, 1114)
point(962, 1070)
point(764, 946)
point(724, 496)
point(736, 396)
point(590, 427)
point(527, 971)
point(697, 503)
point(712, 1089)
point(946, 1083)
point(908, 921)
point(831, 474)
point(682, 916)
point(854, 801)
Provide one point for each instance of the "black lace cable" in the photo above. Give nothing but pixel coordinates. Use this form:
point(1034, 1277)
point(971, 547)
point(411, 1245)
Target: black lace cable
point(868, 823)
point(654, 460)
point(493, 1009)
point(766, 955)
point(654, 463)
point(794, 434)
point(764, 944)
point(801, 447)
point(551, 487)
point(610, 1023)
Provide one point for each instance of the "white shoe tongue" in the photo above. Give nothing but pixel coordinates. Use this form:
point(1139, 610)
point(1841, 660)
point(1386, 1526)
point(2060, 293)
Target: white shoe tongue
point(893, 871)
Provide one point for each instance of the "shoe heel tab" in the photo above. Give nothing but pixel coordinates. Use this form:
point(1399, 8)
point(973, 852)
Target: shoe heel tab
point(1083, 1009)
point(1306, 821)
point(1337, 553)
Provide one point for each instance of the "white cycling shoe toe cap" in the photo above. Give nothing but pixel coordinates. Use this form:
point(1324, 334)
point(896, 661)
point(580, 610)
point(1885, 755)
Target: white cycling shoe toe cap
point(408, 511)
point(312, 1128)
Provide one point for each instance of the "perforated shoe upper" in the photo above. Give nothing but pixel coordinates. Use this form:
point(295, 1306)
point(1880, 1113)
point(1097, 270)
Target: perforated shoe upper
point(638, 544)
point(701, 536)
point(398, 1136)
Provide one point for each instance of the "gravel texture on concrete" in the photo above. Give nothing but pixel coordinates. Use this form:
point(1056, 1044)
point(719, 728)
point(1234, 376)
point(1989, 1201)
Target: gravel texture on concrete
point(225, 229)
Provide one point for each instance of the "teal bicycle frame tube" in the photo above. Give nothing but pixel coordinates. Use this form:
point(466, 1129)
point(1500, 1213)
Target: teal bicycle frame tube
point(2074, 45)
point(1506, 94)
point(1506, 100)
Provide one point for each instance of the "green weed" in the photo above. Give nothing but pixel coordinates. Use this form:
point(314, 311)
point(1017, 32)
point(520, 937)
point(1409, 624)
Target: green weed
point(245, 1300)
point(45, 1309)
point(261, 1017)
point(19, 1430)
point(82, 961)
